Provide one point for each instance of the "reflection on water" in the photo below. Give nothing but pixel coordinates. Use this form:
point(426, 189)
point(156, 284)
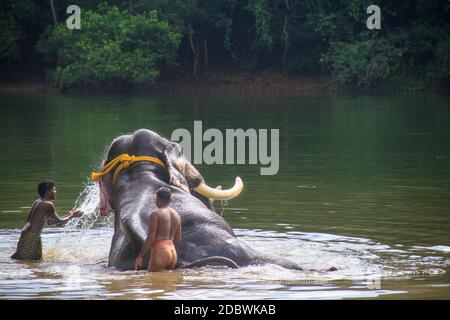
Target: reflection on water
point(363, 185)
point(75, 266)
point(75, 262)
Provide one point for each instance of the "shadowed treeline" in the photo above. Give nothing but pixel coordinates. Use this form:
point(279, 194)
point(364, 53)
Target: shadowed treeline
point(132, 43)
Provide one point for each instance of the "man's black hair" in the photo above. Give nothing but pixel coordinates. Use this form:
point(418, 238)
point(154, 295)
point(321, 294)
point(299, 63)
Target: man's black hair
point(45, 186)
point(164, 194)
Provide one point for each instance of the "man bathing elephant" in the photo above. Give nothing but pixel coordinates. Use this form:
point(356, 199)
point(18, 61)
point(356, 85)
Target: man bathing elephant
point(42, 212)
point(139, 164)
point(164, 230)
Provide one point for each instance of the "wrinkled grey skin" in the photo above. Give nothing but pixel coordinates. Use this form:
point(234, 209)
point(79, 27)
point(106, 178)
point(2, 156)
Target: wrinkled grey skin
point(204, 232)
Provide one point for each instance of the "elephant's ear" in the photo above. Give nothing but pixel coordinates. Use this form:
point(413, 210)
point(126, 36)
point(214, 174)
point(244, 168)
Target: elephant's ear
point(176, 178)
point(171, 154)
point(167, 154)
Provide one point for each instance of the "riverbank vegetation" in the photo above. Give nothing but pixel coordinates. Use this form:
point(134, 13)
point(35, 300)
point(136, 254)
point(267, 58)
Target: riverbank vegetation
point(136, 43)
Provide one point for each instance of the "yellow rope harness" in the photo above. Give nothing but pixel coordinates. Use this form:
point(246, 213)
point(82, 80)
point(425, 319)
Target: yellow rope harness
point(125, 161)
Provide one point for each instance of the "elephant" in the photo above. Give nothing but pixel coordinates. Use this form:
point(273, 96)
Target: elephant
point(206, 238)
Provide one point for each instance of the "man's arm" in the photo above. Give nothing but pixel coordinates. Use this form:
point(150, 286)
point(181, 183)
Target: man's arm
point(54, 218)
point(153, 226)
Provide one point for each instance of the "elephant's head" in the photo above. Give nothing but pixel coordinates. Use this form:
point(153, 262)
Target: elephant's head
point(181, 172)
point(184, 175)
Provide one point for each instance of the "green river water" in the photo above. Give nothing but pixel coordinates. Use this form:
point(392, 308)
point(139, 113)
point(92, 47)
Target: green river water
point(363, 185)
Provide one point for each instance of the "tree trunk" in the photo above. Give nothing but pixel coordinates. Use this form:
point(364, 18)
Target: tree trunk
point(205, 48)
point(197, 57)
point(195, 53)
point(285, 41)
point(55, 17)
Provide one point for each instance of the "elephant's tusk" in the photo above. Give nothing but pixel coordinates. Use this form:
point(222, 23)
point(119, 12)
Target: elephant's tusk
point(217, 188)
point(218, 194)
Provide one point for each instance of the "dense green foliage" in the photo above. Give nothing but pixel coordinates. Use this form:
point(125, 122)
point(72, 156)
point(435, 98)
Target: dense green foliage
point(133, 41)
point(12, 16)
point(112, 46)
point(365, 63)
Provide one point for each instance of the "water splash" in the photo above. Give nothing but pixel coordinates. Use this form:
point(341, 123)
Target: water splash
point(89, 202)
point(87, 247)
point(78, 240)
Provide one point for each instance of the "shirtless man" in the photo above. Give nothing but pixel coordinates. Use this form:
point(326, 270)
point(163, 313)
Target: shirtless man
point(43, 211)
point(164, 231)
